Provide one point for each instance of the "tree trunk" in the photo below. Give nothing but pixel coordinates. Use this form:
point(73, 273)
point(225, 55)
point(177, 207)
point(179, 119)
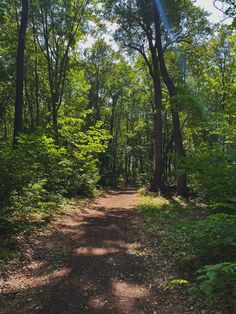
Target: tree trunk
point(177, 135)
point(28, 101)
point(157, 183)
point(126, 154)
point(18, 123)
point(157, 180)
point(54, 118)
point(5, 125)
point(36, 77)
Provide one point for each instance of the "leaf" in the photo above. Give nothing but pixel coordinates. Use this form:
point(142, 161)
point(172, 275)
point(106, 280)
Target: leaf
point(206, 287)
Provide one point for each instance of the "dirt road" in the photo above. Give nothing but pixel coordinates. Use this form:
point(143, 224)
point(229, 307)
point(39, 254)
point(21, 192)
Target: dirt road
point(95, 259)
point(88, 263)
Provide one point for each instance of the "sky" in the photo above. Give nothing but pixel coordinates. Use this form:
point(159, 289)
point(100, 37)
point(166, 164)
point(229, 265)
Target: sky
point(216, 15)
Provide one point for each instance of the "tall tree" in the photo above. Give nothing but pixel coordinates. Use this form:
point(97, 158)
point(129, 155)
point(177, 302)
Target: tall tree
point(59, 25)
point(177, 135)
point(135, 20)
point(20, 57)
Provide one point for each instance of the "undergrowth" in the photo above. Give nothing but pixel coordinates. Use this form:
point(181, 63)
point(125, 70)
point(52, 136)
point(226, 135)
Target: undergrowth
point(201, 241)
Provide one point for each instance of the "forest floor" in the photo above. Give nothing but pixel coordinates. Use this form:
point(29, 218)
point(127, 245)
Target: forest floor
point(93, 259)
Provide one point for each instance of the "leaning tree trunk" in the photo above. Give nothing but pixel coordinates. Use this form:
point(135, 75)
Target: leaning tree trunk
point(20, 57)
point(177, 135)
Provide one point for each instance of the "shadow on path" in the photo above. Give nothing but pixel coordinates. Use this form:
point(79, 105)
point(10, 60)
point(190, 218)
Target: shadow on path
point(89, 263)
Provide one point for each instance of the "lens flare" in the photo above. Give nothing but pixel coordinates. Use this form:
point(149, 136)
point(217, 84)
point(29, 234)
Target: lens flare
point(167, 29)
point(164, 18)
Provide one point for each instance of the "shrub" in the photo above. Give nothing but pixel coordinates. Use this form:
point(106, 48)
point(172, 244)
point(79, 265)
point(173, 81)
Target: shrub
point(212, 173)
point(183, 230)
point(216, 281)
point(211, 239)
point(38, 173)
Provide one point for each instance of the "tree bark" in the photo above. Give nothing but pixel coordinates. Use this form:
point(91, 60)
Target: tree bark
point(54, 100)
point(36, 76)
point(157, 183)
point(177, 134)
point(20, 57)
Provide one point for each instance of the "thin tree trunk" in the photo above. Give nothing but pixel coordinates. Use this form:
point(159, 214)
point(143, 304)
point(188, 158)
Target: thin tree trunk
point(54, 118)
point(18, 123)
point(37, 92)
point(5, 126)
point(36, 77)
point(126, 154)
point(30, 107)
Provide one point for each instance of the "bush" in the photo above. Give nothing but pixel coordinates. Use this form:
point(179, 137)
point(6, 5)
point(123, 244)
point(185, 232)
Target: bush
point(216, 281)
point(212, 173)
point(194, 238)
point(211, 239)
point(183, 230)
point(37, 174)
point(31, 199)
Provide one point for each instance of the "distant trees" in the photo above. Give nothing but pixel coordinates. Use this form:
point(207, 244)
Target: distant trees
point(57, 26)
point(141, 29)
point(135, 20)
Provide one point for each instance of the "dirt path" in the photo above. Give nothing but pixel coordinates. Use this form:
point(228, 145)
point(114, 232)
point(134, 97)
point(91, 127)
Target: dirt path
point(95, 259)
point(87, 263)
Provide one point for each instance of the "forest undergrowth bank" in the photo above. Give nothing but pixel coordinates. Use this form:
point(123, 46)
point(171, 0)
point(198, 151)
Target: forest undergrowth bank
point(201, 243)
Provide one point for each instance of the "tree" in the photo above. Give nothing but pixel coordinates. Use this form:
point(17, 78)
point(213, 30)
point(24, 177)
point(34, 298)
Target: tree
point(99, 62)
point(177, 134)
point(230, 7)
point(176, 23)
point(135, 20)
point(20, 57)
point(141, 30)
point(58, 27)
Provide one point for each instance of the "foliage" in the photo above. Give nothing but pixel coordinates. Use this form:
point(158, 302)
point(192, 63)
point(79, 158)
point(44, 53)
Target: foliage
point(212, 172)
point(186, 232)
point(37, 174)
point(216, 281)
point(66, 76)
point(196, 112)
point(183, 228)
point(219, 229)
point(175, 282)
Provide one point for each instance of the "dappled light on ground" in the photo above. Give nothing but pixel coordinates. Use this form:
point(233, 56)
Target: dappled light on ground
point(87, 263)
point(98, 260)
point(90, 251)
